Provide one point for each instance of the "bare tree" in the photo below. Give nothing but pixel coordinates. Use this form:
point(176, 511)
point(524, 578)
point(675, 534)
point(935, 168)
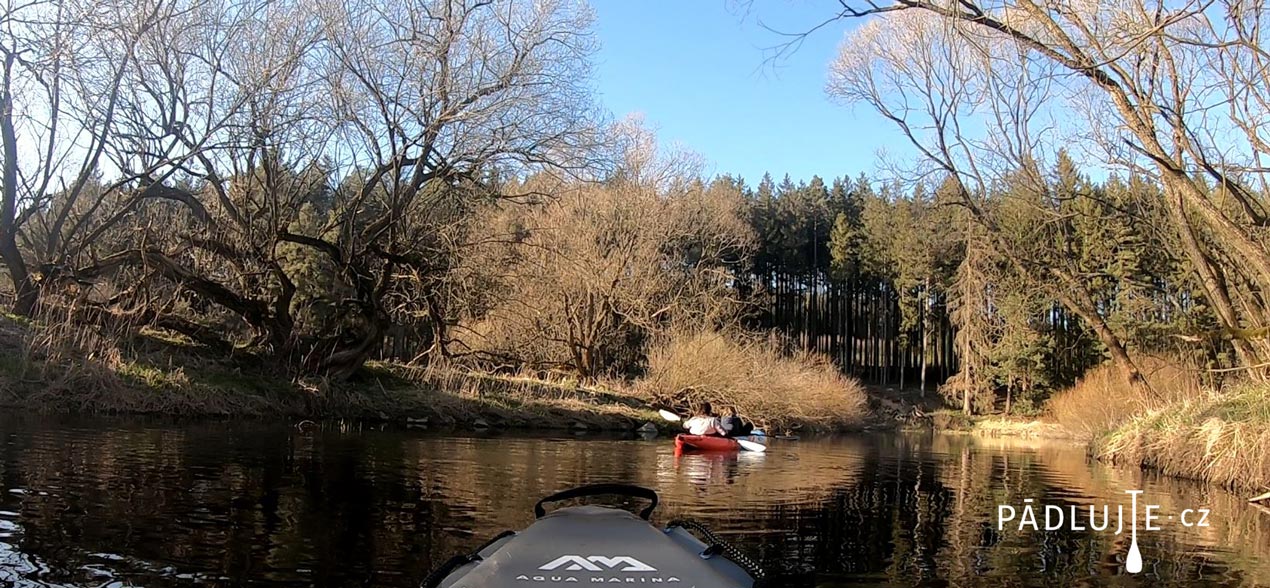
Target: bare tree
point(64, 65)
point(428, 98)
point(210, 146)
point(598, 270)
point(131, 105)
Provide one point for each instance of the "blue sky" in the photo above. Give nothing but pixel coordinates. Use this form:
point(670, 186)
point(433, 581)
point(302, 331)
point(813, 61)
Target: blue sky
point(695, 69)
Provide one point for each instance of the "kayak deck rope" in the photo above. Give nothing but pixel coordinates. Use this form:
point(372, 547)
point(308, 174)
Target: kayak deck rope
point(716, 544)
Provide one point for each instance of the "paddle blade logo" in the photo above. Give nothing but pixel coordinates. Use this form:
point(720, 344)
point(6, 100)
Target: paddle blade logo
point(592, 563)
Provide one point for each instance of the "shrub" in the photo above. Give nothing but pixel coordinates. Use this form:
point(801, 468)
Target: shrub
point(1101, 400)
point(765, 385)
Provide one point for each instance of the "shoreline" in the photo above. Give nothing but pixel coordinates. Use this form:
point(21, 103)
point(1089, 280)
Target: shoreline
point(154, 372)
point(381, 393)
point(1217, 438)
point(485, 403)
point(474, 406)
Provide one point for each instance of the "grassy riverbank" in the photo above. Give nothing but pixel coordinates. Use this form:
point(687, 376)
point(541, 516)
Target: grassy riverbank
point(1220, 437)
point(994, 426)
point(155, 373)
point(1176, 427)
point(379, 392)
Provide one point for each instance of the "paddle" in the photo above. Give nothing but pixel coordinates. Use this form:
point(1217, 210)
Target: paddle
point(746, 445)
point(751, 446)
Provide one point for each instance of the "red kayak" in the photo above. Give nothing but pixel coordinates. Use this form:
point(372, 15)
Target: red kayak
point(705, 443)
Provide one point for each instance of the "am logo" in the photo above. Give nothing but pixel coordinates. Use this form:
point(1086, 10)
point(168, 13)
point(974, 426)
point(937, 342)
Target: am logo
point(593, 563)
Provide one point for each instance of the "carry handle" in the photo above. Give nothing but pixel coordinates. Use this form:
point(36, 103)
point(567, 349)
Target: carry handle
point(598, 490)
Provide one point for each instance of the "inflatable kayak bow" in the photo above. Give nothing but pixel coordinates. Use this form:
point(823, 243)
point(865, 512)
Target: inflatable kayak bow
point(592, 544)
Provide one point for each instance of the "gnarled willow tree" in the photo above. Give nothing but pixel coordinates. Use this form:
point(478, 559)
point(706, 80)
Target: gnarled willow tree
point(272, 161)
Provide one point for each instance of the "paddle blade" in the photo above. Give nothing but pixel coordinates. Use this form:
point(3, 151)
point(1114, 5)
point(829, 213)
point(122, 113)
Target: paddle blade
point(670, 416)
point(751, 446)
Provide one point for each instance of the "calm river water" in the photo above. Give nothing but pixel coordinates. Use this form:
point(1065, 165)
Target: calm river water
point(145, 503)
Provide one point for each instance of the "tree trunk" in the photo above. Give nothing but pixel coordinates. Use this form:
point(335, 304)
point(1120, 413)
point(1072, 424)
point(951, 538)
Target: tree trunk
point(1084, 307)
point(1214, 286)
point(26, 293)
point(903, 364)
point(342, 363)
point(586, 363)
point(925, 330)
point(440, 332)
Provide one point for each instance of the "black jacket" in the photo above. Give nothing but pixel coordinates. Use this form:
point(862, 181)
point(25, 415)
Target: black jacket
point(737, 427)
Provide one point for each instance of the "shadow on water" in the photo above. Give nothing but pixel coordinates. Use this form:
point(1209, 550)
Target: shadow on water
point(145, 503)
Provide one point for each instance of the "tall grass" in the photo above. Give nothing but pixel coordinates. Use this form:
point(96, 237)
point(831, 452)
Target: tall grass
point(58, 364)
point(458, 395)
point(1178, 427)
point(1219, 437)
point(765, 385)
point(1102, 400)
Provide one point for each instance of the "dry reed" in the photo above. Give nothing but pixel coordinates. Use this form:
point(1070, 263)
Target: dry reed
point(1102, 400)
point(765, 385)
point(1221, 437)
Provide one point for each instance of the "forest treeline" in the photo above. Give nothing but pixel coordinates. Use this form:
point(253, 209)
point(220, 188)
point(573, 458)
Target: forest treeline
point(895, 280)
point(323, 183)
point(996, 98)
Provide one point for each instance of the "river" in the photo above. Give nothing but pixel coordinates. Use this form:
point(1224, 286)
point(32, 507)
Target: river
point(125, 502)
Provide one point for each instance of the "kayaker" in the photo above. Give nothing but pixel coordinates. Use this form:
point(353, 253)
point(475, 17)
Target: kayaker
point(705, 422)
point(735, 425)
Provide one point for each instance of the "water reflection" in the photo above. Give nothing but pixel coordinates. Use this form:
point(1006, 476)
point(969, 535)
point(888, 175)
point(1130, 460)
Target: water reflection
point(104, 503)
